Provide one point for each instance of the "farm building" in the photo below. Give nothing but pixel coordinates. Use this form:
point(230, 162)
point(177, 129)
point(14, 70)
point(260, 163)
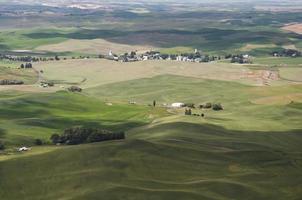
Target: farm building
point(177, 105)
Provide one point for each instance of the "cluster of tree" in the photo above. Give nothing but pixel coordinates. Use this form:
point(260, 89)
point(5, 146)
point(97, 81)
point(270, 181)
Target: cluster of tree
point(11, 82)
point(241, 59)
point(215, 106)
point(19, 58)
point(189, 105)
point(79, 135)
point(38, 142)
point(74, 89)
point(287, 53)
point(26, 66)
point(188, 112)
point(2, 147)
point(35, 59)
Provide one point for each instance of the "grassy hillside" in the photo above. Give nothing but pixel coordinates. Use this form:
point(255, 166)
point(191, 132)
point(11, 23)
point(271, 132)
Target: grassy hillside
point(9, 71)
point(248, 151)
point(174, 160)
point(25, 117)
point(209, 39)
point(242, 110)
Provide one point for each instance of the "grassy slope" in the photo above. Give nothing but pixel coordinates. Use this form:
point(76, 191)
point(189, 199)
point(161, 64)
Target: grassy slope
point(26, 117)
point(208, 39)
point(175, 160)
point(278, 61)
point(9, 71)
point(236, 98)
point(256, 156)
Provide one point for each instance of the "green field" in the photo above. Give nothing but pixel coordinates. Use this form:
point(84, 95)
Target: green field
point(174, 158)
point(31, 116)
point(250, 150)
point(247, 151)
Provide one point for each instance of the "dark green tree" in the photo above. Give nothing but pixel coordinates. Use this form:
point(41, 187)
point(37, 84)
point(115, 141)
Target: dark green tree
point(2, 147)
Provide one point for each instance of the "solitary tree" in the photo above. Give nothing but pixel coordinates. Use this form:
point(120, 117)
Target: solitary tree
point(2, 147)
point(154, 103)
point(38, 142)
point(57, 58)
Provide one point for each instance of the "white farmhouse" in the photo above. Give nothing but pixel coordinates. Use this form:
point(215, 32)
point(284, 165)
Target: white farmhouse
point(177, 105)
point(23, 149)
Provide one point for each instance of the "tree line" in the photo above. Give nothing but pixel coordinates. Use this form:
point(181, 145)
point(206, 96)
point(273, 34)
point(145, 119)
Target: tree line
point(80, 135)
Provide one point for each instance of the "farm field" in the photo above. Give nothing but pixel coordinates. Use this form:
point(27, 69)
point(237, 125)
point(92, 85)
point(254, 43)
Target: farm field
point(95, 46)
point(104, 72)
point(296, 28)
point(28, 76)
point(222, 124)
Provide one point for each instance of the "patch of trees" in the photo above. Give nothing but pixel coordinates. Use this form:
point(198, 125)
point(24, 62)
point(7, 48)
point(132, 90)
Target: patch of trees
point(189, 105)
point(2, 147)
point(38, 142)
point(215, 106)
point(11, 82)
point(205, 106)
point(188, 112)
point(287, 53)
point(79, 135)
point(19, 58)
point(74, 89)
point(241, 59)
point(26, 66)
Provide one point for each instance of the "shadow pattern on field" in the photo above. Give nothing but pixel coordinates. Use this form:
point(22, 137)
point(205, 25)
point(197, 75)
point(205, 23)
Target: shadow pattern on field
point(63, 123)
point(2, 133)
point(194, 133)
point(209, 38)
point(176, 160)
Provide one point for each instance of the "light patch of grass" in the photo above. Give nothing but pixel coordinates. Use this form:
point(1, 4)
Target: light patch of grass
point(249, 47)
point(10, 72)
point(278, 61)
point(177, 50)
point(94, 46)
point(292, 74)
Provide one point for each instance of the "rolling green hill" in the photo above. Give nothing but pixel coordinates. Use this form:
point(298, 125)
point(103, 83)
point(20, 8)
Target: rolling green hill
point(247, 151)
point(241, 109)
point(25, 117)
point(174, 160)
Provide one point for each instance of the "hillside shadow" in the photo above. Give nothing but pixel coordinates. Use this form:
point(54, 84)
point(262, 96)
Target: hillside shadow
point(212, 38)
point(61, 124)
point(2, 133)
point(220, 136)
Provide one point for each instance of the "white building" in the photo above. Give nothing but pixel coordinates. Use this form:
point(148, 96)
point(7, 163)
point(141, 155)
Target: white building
point(23, 149)
point(177, 105)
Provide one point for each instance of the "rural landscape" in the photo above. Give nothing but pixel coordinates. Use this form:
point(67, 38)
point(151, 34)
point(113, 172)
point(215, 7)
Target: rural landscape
point(150, 100)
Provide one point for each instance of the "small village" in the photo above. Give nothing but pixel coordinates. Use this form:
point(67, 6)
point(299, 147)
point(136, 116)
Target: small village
point(133, 56)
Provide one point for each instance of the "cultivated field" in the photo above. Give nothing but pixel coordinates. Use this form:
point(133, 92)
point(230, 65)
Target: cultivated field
point(296, 28)
point(29, 76)
point(95, 46)
point(90, 73)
